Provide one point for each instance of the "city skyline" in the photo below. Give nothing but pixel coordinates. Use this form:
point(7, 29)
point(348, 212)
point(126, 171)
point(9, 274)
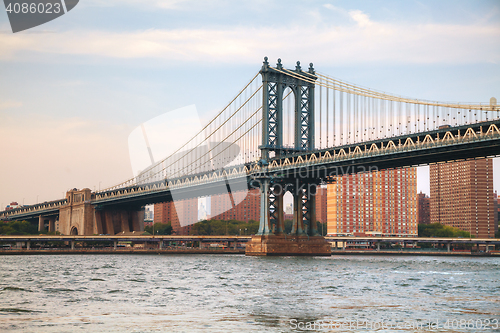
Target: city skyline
point(73, 89)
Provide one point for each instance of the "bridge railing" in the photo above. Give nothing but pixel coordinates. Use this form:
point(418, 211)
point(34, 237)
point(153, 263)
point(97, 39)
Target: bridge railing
point(384, 147)
point(41, 207)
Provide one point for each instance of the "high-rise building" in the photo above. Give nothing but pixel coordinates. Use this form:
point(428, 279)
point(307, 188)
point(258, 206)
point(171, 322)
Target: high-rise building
point(462, 196)
point(423, 208)
point(374, 203)
point(496, 210)
point(321, 204)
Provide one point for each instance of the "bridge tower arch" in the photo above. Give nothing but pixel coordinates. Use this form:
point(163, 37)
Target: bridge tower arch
point(274, 82)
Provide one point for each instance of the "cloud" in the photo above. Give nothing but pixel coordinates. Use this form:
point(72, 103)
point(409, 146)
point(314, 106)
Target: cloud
point(164, 4)
point(366, 41)
point(361, 18)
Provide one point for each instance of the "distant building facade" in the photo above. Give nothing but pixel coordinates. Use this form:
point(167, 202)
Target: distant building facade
point(248, 208)
point(175, 212)
point(184, 213)
point(462, 196)
point(496, 209)
point(321, 204)
point(375, 203)
point(423, 208)
point(12, 205)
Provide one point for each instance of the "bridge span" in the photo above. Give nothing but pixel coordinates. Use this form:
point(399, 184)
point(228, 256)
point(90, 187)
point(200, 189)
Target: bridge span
point(288, 130)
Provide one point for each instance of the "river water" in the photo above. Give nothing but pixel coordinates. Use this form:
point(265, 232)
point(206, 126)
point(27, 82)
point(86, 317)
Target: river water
point(234, 293)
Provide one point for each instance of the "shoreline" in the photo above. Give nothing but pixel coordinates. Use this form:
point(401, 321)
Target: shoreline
point(236, 251)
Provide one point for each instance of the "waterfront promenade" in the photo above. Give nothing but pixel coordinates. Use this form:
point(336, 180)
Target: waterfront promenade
point(173, 244)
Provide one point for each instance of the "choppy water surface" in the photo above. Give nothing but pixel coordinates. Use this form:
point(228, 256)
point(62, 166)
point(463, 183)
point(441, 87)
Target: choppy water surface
point(216, 293)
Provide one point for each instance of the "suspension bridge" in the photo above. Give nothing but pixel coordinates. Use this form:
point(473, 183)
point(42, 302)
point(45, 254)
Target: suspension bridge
point(287, 130)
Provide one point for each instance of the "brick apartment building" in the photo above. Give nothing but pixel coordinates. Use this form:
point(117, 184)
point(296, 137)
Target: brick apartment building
point(377, 203)
point(423, 208)
point(247, 207)
point(462, 196)
point(166, 212)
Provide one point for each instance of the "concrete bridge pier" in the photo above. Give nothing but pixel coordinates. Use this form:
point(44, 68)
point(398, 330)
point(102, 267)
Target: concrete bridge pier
point(52, 224)
point(80, 217)
point(41, 223)
point(51, 220)
point(301, 241)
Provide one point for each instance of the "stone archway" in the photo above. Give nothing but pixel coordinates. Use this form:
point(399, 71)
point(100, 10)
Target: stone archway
point(74, 231)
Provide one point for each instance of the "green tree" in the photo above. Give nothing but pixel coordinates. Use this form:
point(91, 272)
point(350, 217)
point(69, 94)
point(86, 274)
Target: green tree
point(440, 230)
point(228, 227)
point(20, 228)
point(159, 229)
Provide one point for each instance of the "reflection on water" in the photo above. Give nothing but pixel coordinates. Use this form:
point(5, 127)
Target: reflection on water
point(206, 293)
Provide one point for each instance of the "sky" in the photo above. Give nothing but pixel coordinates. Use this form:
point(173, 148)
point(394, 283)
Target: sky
point(72, 90)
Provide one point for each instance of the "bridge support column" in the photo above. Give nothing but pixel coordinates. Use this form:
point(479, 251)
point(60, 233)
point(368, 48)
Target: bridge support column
point(28, 245)
point(311, 209)
point(41, 223)
point(378, 246)
point(52, 224)
point(124, 221)
point(278, 213)
point(98, 222)
point(72, 244)
point(115, 245)
point(108, 218)
point(298, 217)
point(137, 217)
point(448, 247)
point(264, 227)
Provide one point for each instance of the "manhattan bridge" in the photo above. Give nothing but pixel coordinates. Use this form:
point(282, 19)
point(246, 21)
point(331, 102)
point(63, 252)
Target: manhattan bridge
point(287, 130)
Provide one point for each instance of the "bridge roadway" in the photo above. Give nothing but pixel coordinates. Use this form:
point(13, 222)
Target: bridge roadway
point(191, 238)
point(442, 145)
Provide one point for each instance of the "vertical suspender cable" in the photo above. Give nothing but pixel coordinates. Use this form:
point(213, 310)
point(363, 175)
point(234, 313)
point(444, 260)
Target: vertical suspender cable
point(320, 115)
